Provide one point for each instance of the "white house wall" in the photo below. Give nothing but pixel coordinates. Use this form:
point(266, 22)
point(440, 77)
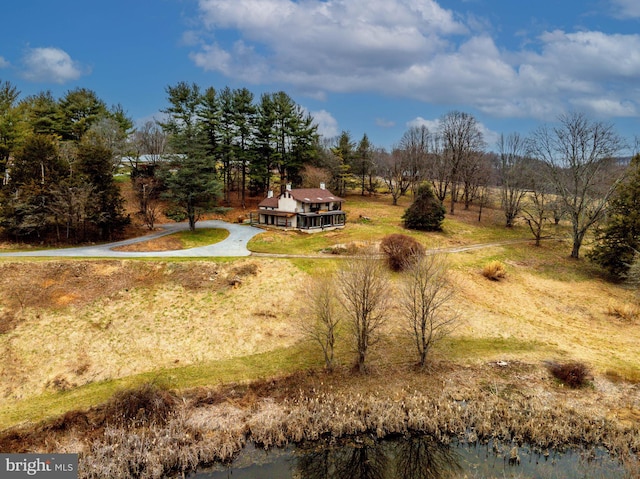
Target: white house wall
point(287, 204)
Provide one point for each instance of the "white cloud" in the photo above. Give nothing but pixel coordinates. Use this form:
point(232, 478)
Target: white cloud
point(417, 49)
point(3, 63)
point(381, 122)
point(50, 65)
point(432, 125)
point(314, 37)
point(607, 108)
point(490, 136)
point(327, 124)
point(626, 8)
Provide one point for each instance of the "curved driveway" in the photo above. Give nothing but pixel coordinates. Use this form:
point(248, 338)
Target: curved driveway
point(234, 245)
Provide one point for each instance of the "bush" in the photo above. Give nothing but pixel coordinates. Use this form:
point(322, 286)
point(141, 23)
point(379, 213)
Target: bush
point(426, 213)
point(573, 374)
point(494, 271)
point(400, 250)
point(148, 403)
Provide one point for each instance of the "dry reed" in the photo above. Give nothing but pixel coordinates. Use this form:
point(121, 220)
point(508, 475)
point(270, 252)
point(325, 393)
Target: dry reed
point(200, 433)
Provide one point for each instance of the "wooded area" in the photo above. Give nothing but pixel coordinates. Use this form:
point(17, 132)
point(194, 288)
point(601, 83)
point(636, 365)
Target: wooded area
point(214, 147)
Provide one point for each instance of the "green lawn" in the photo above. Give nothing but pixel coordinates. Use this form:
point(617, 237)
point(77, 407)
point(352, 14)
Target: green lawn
point(201, 237)
point(369, 219)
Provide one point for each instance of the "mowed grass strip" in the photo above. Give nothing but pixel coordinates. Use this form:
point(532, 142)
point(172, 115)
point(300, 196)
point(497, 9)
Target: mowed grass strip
point(237, 370)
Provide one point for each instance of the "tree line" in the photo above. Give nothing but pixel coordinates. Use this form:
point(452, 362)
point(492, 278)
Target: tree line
point(218, 142)
point(571, 170)
point(58, 158)
point(57, 161)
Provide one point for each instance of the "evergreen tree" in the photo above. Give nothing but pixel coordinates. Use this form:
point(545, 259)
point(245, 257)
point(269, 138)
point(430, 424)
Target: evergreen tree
point(619, 239)
point(190, 177)
point(344, 153)
point(41, 113)
point(264, 146)
point(426, 213)
point(244, 118)
point(36, 169)
point(95, 168)
point(363, 162)
point(77, 111)
point(9, 124)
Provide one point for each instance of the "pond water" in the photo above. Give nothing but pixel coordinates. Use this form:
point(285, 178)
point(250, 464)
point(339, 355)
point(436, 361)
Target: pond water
point(413, 457)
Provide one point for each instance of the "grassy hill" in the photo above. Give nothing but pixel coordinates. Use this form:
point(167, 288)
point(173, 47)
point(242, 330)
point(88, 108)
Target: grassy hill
point(75, 331)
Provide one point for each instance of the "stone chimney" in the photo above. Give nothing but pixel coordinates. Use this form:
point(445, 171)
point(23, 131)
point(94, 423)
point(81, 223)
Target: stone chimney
point(322, 186)
point(288, 186)
point(270, 194)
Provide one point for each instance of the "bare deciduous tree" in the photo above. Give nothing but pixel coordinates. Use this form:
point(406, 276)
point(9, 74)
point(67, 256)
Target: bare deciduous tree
point(415, 144)
point(393, 171)
point(365, 293)
point(321, 318)
point(424, 295)
point(475, 175)
point(461, 139)
point(438, 168)
point(512, 175)
point(149, 140)
point(71, 203)
point(535, 210)
point(579, 158)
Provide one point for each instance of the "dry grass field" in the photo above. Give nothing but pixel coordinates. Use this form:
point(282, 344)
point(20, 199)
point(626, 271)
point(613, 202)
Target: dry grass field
point(72, 332)
point(75, 322)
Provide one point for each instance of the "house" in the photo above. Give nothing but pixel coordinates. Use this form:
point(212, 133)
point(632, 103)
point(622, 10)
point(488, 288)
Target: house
point(306, 209)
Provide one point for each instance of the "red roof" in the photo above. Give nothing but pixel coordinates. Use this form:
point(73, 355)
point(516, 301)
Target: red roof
point(314, 195)
point(304, 195)
point(270, 202)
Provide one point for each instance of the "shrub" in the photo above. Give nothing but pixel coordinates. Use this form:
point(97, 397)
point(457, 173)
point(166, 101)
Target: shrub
point(494, 271)
point(624, 312)
point(426, 213)
point(573, 374)
point(400, 250)
point(145, 404)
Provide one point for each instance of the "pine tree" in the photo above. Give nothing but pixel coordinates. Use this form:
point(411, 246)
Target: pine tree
point(618, 240)
point(426, 213)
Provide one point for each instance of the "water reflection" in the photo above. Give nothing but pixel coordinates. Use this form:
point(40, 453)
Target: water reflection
point(414, 457)
point(423, 457)
point(364, 459)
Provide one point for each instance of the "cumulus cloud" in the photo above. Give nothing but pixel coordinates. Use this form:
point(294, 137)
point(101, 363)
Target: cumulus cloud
point(50, 65)
point(327, 124)
point(431, 125)
point(417, 49)
point(315, 37)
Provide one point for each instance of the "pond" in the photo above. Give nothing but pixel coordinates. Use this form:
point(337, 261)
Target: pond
point(413, 457)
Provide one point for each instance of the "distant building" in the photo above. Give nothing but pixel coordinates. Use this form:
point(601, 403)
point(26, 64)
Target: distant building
point(306, 209)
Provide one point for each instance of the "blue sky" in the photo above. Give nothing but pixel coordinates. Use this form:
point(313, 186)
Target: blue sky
point(365, 66)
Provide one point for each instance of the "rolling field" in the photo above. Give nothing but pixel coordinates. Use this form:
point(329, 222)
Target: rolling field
point(74, 332)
